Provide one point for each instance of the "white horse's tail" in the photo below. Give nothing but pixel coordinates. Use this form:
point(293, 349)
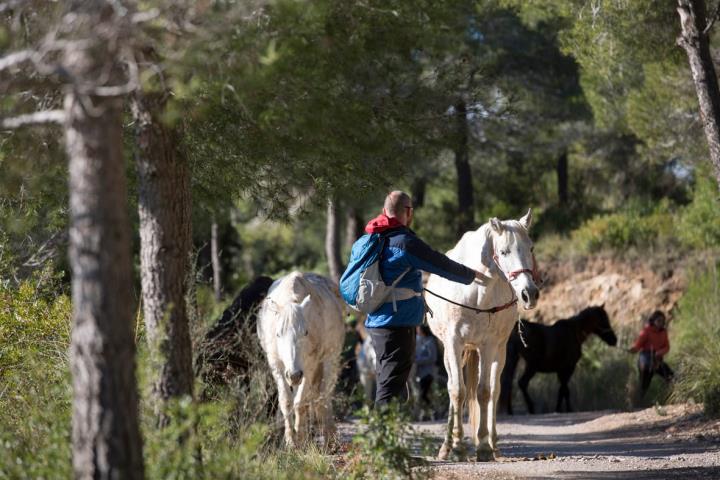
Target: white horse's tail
point(471, 359)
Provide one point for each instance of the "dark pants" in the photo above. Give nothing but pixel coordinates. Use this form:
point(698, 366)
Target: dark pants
point(425, 384)
point(648, 366)
point(395, 350)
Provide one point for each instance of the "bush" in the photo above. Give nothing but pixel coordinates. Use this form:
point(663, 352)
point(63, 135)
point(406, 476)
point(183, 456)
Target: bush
point(696, 348)
point(699, 225)
point(207, 449)
point(383, 446)
point(632, 227)
point(35, 398)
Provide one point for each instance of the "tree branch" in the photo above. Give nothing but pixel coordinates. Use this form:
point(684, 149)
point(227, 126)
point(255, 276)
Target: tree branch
point(712, 19)
point(36, 118)
point(9, 61)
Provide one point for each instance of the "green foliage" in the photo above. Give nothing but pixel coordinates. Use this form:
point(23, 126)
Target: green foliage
point(197, 443)
point(35, 397)
point(383, 446)
point(33, 322)
point(625, 229)
point(271, 248)
point(699, 224)
point(611, 41)
point(695, 341)
point(33, 203)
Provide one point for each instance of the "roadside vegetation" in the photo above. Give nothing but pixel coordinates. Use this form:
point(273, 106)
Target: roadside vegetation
point(276, 128)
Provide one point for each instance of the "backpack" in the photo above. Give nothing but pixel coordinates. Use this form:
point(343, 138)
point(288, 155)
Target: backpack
point(362, 286)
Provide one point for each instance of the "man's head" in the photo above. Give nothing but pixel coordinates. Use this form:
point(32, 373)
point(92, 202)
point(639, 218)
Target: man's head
point(398, 205)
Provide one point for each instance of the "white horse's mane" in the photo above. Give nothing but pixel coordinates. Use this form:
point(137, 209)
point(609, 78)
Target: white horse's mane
point(475, 248)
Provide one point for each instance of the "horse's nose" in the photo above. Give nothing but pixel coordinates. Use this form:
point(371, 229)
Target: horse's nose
point(530, 294)
point(294, 377)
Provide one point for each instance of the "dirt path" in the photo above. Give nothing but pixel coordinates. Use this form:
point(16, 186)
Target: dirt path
point(670, 442)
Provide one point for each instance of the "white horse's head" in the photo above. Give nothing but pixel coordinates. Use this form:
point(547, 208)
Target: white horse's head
point(292, 339)
point(513, 257)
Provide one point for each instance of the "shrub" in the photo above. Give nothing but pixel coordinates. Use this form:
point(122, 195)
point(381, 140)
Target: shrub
point(632, 227)
point(207, 449)
point(383, 446)
point(695, 348)
point(699, 224)
point(35, 398)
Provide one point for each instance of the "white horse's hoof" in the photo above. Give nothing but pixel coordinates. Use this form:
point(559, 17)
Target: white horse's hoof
point(443, 453)
point(483, 455)
point(458, 453)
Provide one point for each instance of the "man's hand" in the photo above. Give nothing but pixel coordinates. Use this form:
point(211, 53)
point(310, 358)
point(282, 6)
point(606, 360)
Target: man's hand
point(482, 278)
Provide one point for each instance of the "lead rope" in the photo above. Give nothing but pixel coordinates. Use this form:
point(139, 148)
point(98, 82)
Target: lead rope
point(474, 309)
point(520, 333)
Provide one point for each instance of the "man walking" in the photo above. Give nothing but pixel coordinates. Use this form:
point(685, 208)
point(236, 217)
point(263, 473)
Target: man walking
point(392, 326)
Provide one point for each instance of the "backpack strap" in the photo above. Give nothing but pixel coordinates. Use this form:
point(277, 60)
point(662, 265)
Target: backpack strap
point(407, 293)
point(393, 291)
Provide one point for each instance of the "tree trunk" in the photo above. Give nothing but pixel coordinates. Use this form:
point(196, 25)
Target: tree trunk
point(417, 191)
point(165, 240)
point(105, 435)
point(215, 259)
point(694, 39)
point(466, 202)
point(332, 242)
point(562, 178)
point(354, 227)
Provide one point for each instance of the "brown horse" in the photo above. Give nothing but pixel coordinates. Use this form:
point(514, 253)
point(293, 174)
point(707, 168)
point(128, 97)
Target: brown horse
point(551, 349)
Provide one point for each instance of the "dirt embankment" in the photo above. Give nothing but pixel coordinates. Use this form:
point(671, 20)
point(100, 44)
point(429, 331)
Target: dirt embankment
point(630, 290)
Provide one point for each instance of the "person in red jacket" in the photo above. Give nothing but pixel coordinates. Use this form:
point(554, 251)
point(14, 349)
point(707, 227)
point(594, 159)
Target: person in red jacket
point(653, 344)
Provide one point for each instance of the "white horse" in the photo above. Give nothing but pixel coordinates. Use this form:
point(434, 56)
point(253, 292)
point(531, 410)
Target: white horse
point(367, 368)
point(301, 330)
point(477, 336)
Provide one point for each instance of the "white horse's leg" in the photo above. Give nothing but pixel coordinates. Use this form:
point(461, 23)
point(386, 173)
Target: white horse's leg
point(302, 410)
point(286, 400)
point(325, 413)
point(456, 391)
point(484, 451)
point(495, 374)
point(447, 443)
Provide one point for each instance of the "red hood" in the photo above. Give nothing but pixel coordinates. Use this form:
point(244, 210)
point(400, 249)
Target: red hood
point(381, 223)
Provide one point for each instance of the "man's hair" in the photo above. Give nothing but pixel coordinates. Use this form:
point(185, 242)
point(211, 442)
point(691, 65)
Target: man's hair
point(396, 201)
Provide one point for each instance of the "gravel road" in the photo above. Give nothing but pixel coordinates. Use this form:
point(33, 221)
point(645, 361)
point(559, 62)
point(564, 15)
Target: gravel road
point(656, 443)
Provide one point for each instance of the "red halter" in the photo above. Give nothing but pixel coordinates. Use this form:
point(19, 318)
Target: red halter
point(534, 273)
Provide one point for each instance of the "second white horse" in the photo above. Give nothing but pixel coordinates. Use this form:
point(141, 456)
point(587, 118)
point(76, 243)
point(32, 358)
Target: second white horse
point(300, 326)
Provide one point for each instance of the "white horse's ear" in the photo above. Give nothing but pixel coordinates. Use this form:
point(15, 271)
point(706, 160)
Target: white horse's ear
point(306, 301)
point(526, 221)
point(496, 225)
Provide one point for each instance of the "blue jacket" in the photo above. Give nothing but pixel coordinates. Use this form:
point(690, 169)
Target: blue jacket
point(404, 249)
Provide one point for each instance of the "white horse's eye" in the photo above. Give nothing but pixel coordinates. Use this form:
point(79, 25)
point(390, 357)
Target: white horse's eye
point(504, 252)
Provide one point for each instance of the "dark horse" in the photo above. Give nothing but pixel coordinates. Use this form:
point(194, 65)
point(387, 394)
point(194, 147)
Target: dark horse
point(556, 348)
point(221, 357)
